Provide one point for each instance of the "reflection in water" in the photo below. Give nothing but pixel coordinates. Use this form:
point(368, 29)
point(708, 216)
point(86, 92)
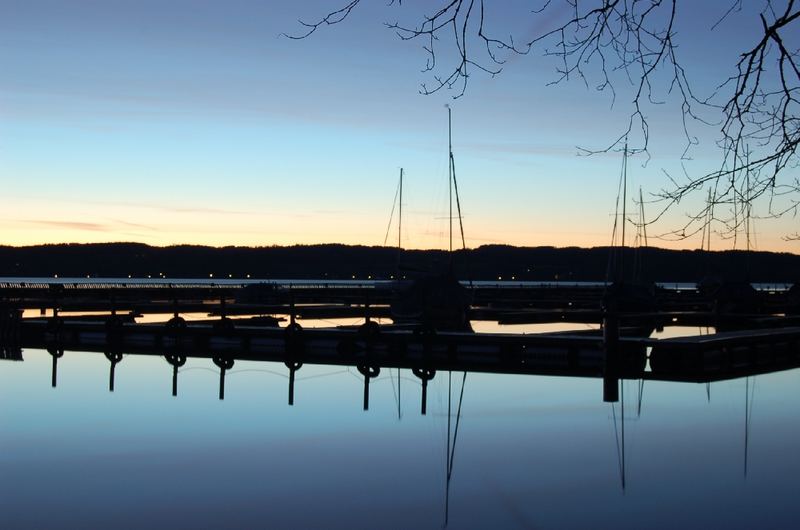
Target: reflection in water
point(619, 433)
point(396, 393)
point(749, 391)
point(56, 354)
point(684, 451)
point(176, 361)
point(369, 372)
point(451, 446)
point(114, 358)
point(424, 375)
point(639, 400)
point(293, 367)
point(224, 364)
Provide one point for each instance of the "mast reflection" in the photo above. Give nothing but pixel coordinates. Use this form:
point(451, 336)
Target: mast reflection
point(451, 446)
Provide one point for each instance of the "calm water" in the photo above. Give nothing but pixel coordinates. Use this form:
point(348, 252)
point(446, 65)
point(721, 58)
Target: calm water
point(531, 452)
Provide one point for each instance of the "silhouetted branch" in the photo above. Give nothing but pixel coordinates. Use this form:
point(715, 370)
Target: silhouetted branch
point(455, 22)
point(760, 130)
point(606, 42)
point(334, 17)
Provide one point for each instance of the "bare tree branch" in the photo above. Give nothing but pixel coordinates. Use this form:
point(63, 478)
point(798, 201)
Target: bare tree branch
point(760, 130)
point(599, 42)
point(334, 17)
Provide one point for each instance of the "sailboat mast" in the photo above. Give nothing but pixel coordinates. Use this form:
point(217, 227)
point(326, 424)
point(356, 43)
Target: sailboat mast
point(400, 214)
point(641, 216)
point(624, 189)
point(450, 170)
point(624, 211)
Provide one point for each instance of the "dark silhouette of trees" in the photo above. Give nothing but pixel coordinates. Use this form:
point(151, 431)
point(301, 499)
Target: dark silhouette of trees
point(343, 262)
point(633, 46)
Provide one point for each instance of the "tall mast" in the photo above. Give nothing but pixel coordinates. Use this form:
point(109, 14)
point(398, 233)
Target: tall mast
point(450, 170)
point(624, 189)
point(641, 216)
point(400, 214)
point(624, 211)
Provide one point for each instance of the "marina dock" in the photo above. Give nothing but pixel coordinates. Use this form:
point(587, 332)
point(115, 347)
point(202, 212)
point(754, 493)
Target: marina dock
point(102, 317)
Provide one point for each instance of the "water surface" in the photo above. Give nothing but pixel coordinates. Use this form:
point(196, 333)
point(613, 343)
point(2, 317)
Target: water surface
point(531, 452)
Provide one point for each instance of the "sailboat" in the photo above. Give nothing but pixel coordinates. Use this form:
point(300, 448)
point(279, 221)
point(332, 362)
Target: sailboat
point(623, 293)
point(623, 297)
point(437, 301)
point(732, 293)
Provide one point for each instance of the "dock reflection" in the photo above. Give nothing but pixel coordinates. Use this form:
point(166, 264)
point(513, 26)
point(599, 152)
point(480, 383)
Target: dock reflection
point(455, 383)
point(624, 361)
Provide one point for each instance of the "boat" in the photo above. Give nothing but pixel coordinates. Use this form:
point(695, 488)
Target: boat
point(436, 301)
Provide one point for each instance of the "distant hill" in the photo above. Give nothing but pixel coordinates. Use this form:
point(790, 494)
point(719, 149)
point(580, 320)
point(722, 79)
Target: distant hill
point(488, 262)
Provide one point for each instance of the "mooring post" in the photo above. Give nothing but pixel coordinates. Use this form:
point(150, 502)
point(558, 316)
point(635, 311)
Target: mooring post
point(55, 324)
point(291, 308)
point(366, 307)
point(611, 365)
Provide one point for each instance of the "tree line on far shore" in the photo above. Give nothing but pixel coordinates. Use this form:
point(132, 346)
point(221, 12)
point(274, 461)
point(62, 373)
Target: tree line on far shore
point(489, 262)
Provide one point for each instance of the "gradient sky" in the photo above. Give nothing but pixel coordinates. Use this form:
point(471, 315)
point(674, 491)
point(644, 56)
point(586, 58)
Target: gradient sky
point(192, 121)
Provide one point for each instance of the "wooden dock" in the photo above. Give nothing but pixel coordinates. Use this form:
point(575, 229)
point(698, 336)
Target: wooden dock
point(697, 358)
point(764, 340)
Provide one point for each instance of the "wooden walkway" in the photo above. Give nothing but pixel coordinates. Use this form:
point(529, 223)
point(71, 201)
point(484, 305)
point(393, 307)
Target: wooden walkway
point(697, 358)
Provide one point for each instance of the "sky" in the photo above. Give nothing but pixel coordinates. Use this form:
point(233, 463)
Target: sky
point(195, 122)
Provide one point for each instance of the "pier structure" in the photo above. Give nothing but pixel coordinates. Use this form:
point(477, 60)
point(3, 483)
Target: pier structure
point(242, 321)
point(502, 302)
point(698, 359)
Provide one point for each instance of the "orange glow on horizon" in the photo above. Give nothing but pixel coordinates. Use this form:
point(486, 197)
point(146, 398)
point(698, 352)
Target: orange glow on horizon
point(64, 223)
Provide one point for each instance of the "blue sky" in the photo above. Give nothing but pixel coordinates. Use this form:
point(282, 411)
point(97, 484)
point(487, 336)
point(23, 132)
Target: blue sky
point(194, 122)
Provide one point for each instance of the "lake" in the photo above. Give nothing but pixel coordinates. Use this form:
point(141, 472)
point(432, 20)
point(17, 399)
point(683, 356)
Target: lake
point(525, 451)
